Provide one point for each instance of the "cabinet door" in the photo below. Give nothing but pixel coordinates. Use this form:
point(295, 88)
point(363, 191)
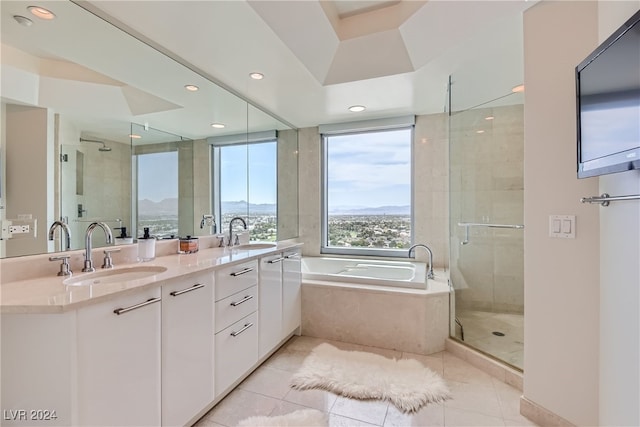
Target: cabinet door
point(187, 348)
point(291, 292)
point(119, 361)
point(270, 303)
point(236, 352)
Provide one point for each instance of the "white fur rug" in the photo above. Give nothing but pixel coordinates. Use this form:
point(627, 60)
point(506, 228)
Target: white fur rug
point(405, 382)
point(301, 418)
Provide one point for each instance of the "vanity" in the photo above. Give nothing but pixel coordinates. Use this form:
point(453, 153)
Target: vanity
point(153, 343)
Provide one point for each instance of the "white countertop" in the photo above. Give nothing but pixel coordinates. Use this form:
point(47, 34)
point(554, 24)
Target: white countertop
point(51, 295)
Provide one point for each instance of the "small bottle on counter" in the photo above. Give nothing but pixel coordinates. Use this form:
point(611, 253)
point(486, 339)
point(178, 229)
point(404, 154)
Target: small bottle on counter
point(146, 246)
point(188, 245)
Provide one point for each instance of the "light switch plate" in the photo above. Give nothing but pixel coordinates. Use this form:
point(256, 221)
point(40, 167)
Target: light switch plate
point(562, 226)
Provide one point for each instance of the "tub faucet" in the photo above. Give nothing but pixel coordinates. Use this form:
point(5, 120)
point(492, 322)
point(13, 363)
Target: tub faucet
point(65, 229)
point(244, 224)
point(430, 266)
point(88, 262)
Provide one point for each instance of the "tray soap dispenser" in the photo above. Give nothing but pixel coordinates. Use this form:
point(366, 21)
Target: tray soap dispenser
point(146, 246)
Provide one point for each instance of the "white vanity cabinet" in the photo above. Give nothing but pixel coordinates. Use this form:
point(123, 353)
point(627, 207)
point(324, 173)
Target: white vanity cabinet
point(270, 307)
point(280, 298)
point(118, 361)
point(187, 348)
point(291, 291)
point(236, 323)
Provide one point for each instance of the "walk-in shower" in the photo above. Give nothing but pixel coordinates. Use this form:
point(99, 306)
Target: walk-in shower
point(486, 151)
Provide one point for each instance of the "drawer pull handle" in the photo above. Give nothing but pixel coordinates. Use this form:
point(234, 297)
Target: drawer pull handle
point(184, 291)
point(124, 310)
point(241, 272)
point(296, 255)
point(244, 328)
point(245, 299)
point(275, 261)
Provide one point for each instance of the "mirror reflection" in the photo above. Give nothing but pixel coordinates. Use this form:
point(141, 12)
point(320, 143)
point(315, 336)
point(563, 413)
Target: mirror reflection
point(113, 135)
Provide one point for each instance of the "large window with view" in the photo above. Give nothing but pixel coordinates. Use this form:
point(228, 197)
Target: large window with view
point(246, 187)
point(367, 195)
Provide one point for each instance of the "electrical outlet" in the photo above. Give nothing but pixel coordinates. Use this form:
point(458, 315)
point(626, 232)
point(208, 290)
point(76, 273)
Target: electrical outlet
point(19, 229)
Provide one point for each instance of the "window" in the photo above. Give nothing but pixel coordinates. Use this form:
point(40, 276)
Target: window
point(367, 195)
point(246, 186)
point(158, 193)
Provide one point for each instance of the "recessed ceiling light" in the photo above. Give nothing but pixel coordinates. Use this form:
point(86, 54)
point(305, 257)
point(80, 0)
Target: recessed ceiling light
point(256, 76)
point(479, 131)
point(489, 118)
point(41, 12)
point(518, 89)
point(191, 88)
point(23, 20)
point(217, 125)
point(357, 108)
point(134, 136)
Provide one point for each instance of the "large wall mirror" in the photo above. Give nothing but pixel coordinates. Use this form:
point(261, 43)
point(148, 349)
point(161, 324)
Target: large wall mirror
point(98, 126)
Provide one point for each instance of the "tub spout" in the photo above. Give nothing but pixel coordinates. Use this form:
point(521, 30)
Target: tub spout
point(430, 266)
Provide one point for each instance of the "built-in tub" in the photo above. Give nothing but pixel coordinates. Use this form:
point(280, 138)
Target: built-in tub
point(377, 303)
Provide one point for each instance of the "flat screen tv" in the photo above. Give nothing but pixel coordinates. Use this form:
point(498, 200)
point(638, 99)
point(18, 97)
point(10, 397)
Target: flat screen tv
point(608, 95)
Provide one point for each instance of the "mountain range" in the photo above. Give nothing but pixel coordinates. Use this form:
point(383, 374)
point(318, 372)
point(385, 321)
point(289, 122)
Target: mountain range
point(170, 206)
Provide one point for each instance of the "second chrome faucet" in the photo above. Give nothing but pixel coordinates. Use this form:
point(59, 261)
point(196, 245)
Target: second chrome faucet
point(88, 262)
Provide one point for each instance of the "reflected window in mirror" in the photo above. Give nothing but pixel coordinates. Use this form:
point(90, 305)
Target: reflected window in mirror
point(245, 185)
point(158, 193)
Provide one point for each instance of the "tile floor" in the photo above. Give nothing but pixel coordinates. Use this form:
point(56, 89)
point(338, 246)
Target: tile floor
point(478, 333)
point(478, 399)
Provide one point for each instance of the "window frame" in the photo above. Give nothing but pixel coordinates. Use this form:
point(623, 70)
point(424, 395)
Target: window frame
point(324, 214)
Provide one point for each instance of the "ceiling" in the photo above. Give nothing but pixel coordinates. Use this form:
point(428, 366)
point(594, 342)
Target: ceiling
point(318, 58)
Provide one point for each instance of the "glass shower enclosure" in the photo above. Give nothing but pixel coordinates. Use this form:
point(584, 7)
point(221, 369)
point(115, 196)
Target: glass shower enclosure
point(486, 143)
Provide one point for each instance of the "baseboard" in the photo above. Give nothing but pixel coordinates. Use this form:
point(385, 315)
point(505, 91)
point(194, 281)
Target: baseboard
point(540, 415)
point(492, 367)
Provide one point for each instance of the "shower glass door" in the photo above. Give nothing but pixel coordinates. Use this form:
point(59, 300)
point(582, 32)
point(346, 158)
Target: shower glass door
point(486, 223)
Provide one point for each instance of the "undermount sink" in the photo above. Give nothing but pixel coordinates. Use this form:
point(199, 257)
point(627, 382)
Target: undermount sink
point(249, 246)
point(115, 275)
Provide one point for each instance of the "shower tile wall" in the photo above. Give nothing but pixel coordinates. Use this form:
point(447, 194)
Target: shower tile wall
point(487, 187)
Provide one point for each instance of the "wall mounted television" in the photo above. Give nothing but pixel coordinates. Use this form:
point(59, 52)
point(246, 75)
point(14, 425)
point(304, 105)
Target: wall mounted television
point(608, 104)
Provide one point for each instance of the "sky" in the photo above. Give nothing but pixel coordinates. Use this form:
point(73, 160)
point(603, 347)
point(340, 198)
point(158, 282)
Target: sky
point(365, 170)
point(370, 169)
point(158, 176)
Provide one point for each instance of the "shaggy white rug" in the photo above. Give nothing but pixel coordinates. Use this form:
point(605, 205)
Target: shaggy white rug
point(405, 382)
point(301, 418)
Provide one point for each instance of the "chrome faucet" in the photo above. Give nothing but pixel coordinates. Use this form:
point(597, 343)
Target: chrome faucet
point(88, 263)
point(65, 229)
point(430, 266)
point(244, 224)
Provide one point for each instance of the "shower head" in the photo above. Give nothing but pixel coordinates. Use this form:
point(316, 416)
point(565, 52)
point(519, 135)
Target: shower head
point(103, 148)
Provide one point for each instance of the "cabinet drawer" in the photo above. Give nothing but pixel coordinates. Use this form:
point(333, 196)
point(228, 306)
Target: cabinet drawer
point(233, 279)
point(235, 307)
point(236, 352)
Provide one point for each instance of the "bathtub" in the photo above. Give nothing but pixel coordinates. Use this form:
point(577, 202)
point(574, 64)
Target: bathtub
point(368, 302)
point(402, 274)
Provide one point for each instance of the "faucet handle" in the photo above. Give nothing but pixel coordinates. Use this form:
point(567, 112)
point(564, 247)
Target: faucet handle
point(108, 262)
point(65, 268)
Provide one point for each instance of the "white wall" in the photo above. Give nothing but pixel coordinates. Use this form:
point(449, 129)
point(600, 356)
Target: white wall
point(619, 275)
point(29, 145)
point(582, 296)
point(561, 275)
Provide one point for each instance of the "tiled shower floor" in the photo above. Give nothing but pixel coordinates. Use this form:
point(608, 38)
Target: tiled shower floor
point(478, 333)
point(477, 398)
